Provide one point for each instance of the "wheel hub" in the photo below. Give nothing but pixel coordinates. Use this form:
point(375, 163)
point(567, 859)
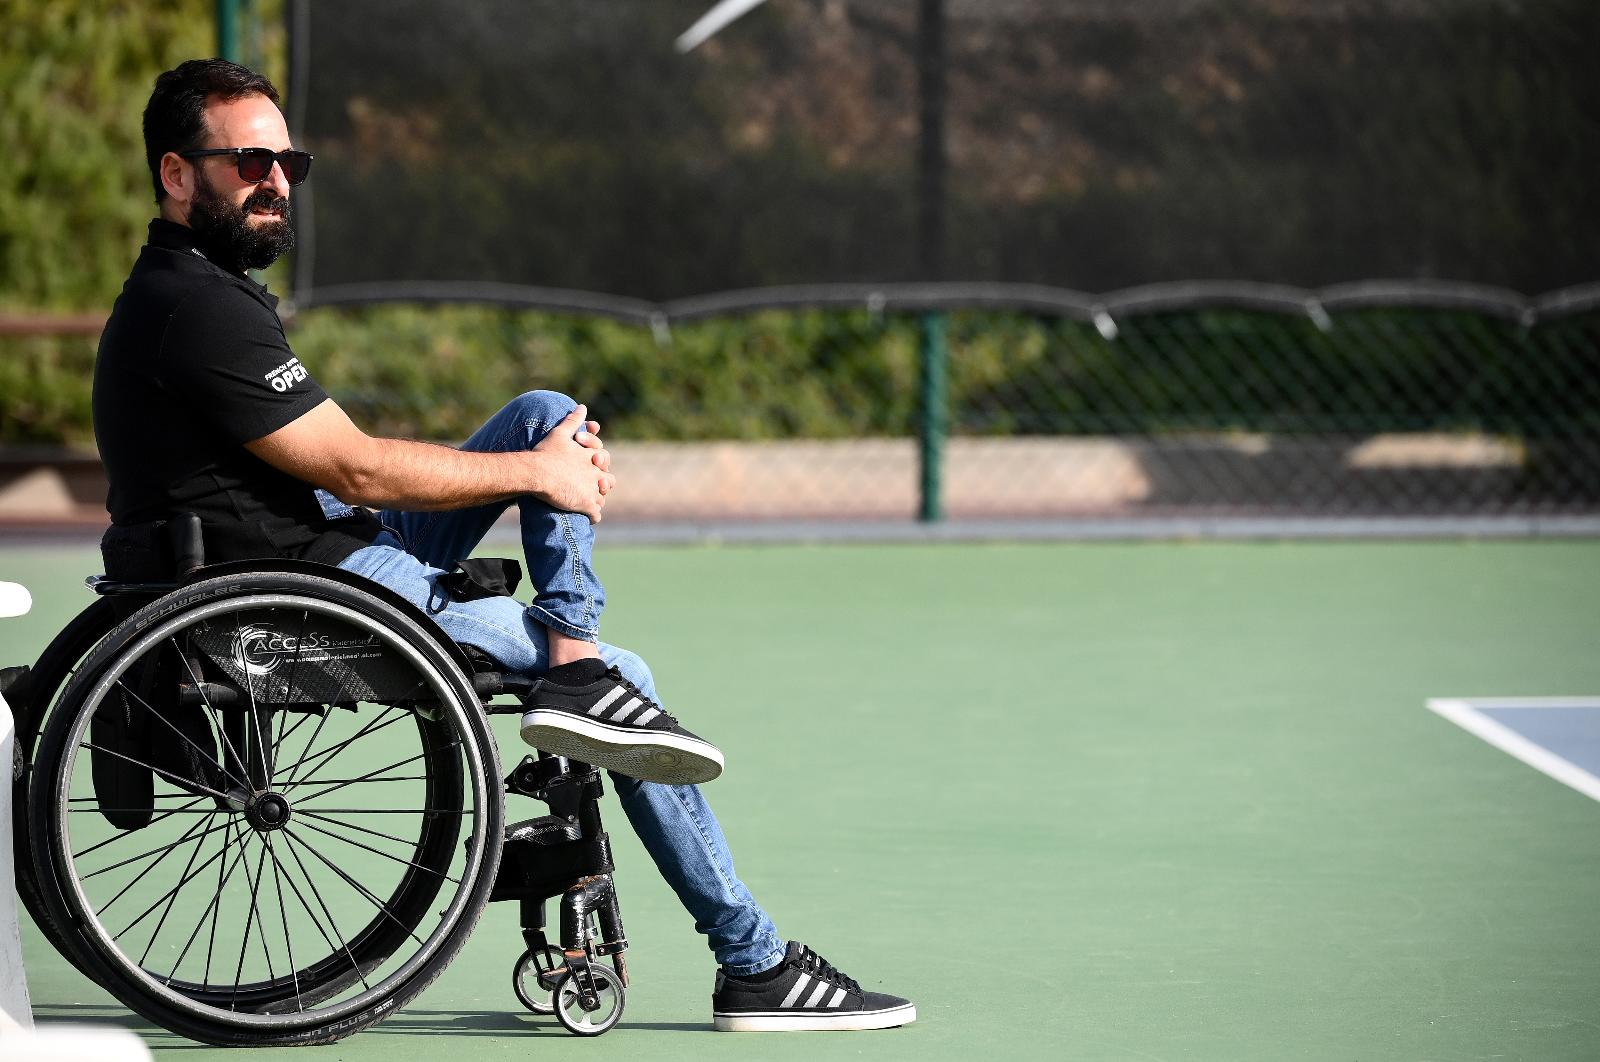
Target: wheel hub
point(267, 811)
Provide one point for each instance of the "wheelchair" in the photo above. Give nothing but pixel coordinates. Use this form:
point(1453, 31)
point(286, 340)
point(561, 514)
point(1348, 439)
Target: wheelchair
point(261, 804)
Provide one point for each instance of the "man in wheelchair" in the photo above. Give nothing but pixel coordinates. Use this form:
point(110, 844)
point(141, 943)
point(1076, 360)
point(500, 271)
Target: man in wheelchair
point(200, 406)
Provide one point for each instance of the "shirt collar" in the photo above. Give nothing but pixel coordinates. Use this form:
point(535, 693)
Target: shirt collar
point(174, 237)
point(171, 236)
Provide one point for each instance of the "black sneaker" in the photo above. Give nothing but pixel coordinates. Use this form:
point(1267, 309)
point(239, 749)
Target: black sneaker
point(808, 993)
point(607, 722)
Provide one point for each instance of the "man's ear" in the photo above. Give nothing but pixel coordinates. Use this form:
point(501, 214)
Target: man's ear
point(177, 177)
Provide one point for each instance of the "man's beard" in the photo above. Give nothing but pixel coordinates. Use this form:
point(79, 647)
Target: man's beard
point(225, 232)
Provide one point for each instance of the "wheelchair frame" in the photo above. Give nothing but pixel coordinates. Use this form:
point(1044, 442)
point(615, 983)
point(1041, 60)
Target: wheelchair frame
point(191, 656)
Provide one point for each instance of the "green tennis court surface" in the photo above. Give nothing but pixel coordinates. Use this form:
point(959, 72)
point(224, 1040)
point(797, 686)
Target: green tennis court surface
point(1162, 801)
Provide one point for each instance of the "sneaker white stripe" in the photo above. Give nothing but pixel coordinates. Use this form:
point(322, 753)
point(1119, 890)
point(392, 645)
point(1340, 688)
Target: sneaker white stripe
point(794, 993)
point(617, 715)
point(838, 997)
point(822, 990)
point(644, 717)
point(599, 707)
point(630, 714)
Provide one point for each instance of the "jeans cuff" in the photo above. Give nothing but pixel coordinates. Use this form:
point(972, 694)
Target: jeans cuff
point(561, 626)
point(760, 965)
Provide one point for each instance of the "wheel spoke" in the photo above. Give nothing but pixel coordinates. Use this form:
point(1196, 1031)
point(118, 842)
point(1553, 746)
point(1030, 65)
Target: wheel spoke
point(216, 907)
point(353, 781)
point(172, 893)
point(181, 782)
point(129, 833)
point(187, 808)
point(332, 922)
point(216, 718)
point(371, 896)
point(206, 756)
point(249, 923)
point(377, 851)
point(164, 850)
point(328, 754)
point(211, 909)
point(446, 812)
point(283, 915)
point(295, 888)
point(253, 742)
point(359, 829)
point(366, 778)
point(285, 735)
point(172, 898)
point(305, 752)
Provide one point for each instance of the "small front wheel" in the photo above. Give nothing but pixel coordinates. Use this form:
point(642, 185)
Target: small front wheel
point(570, 1012)
point(535, 976)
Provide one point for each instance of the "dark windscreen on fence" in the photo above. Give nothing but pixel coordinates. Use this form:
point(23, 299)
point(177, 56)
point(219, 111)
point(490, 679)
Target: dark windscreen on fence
point(501, 146)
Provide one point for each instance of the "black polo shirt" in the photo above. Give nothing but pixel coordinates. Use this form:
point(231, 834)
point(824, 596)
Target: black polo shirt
point(193, 364)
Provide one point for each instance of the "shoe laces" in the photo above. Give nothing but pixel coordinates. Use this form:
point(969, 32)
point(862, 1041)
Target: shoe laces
point(817, 966)
point(616, 676)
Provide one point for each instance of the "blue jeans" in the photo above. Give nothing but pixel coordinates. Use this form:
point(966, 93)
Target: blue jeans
point(674, 823)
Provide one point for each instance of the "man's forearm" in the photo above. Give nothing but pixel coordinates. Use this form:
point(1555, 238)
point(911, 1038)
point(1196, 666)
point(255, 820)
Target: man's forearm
point(426, 477)
point(568, 468)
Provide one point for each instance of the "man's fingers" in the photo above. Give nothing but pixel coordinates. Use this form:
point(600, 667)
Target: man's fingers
point(602, 459)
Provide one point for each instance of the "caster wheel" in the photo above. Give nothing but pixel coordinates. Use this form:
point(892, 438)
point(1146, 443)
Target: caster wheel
point(608, 986)
point(535, 977)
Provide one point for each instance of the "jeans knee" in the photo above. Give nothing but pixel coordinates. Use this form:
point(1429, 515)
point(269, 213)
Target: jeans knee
point(633, 668)
point(545, 408)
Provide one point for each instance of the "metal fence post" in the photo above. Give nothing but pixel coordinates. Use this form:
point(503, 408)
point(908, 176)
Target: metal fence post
point(933, 357)
point(228, 29)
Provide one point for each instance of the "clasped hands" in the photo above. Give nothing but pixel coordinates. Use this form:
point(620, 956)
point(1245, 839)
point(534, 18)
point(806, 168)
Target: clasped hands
point(581, 467)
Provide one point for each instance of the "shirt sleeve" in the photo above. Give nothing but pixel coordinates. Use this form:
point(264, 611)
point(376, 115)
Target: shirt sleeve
point(225, 355)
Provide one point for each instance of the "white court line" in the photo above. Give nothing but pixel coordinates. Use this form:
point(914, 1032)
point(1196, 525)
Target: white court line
point(1466, 713)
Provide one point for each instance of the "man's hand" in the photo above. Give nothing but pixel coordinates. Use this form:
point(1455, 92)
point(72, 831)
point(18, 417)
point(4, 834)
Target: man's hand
point(589, 435)
point(579, 471)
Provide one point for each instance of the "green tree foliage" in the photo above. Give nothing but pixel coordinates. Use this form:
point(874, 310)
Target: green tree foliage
point(74, 191)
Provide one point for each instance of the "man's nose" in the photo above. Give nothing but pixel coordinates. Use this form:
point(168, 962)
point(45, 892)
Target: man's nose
point(277, 180)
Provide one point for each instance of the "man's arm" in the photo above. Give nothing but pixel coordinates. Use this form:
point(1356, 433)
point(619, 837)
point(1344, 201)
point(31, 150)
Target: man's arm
point(324, 447)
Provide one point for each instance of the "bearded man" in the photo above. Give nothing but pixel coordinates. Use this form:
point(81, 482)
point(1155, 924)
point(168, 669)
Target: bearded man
point(201, 406)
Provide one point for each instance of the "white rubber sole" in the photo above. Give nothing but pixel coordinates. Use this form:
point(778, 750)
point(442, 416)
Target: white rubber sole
point(645, 755)
point(814, 1021)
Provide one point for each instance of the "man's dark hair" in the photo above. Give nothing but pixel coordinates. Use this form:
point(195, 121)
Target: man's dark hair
point(175, 117)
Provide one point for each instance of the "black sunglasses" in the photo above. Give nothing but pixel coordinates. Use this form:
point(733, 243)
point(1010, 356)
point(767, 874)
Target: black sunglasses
point(255, 164)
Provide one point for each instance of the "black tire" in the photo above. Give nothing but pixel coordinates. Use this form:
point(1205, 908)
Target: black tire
point(44, 680)
point(317, 917)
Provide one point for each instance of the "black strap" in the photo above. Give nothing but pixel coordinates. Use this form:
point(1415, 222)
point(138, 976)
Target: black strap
point(479, 577)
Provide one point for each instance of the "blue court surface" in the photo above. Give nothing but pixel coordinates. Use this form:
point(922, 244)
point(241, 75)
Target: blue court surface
point(1557, 735)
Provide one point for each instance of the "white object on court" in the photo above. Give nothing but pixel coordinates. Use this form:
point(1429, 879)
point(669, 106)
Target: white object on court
point(16, 1015)
point(20, 1041)
point(14, 600)
point(73, 1043)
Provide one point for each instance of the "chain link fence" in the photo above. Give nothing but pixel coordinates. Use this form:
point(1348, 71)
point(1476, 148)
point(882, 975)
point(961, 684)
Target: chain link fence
point(1158, 412)
point(1201, 411)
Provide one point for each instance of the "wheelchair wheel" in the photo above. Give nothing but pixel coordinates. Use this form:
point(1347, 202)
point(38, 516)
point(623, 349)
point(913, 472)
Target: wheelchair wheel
point(534, 978)
point(269, 806)
point(580, 1022)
